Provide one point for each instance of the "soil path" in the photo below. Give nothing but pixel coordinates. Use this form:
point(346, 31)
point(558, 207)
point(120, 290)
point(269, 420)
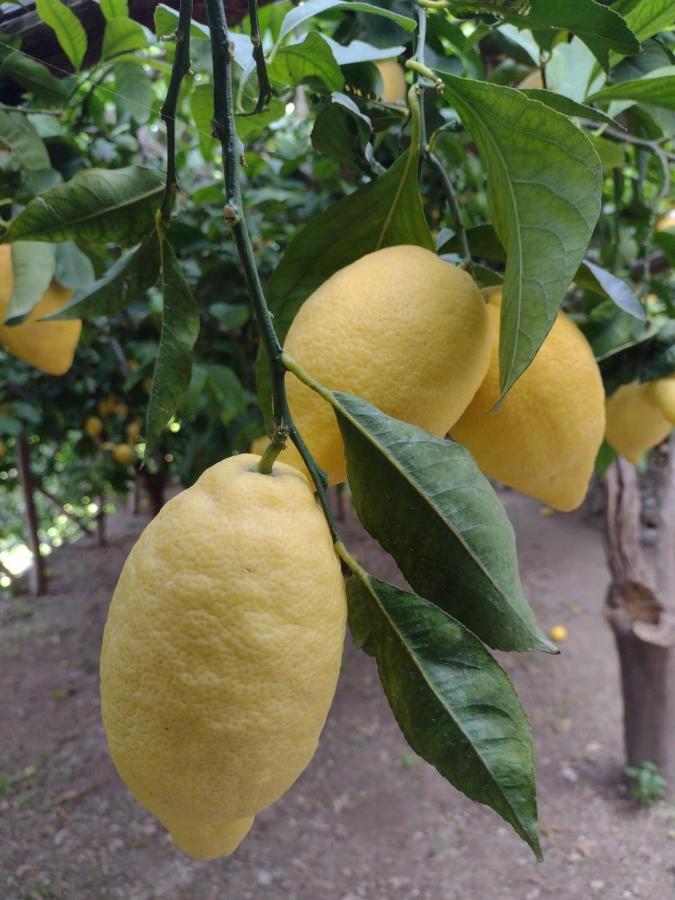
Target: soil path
point(367, 819)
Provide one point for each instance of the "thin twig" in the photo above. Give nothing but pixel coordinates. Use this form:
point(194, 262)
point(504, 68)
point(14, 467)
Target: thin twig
point(31, 112)
point(455, 212)
point(264, 86)
point(225, 131)
point(180, 68)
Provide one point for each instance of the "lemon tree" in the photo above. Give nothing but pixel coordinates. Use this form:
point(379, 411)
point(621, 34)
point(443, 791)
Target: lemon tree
point(420, 297)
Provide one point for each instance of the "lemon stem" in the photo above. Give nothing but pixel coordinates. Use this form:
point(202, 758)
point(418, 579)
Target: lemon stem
point(180, 68)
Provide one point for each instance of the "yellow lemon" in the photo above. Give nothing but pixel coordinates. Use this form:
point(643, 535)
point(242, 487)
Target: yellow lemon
point(48, 346)
point(93, 426)
point(122, 410)
point(533, 80)
point(635, 423)
point(222, 650)
point(400, 328)
point(134, 431)
point(662, 393)
point(259, 445)
point(123, 454)
point(394, 85)
point(544, 438)
point(558, 633)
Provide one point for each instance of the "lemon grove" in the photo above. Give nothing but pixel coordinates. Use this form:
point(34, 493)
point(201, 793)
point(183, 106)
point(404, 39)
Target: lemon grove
point(410, 343)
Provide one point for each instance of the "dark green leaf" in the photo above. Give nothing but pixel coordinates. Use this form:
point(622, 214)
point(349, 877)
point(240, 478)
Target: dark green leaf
point(312, 8)
point(69, 30)
point(19, 136)
point(96, 205)
point(454, 704)
point(180, 328)
point(599, 280)
point(384, 213)
point(569, 107)
point(31, 75)
point(544, 193)
point(122, 36)
point(656, 89)
point(612, 155)
point(134, 92)
point(427, 502)
point(32, 270)
point(342, 132)
point(604, 459)
point(73, 267)
point(310, 61)
point(665, 240)
point(37, 181)
point(124, 283)
point(598, 26)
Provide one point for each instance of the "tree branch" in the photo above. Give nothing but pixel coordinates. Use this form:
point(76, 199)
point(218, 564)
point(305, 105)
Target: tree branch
point(180, 68)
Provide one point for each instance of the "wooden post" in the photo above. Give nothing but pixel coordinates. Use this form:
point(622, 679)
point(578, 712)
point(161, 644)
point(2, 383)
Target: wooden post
point(37, 573)
point(640, 608)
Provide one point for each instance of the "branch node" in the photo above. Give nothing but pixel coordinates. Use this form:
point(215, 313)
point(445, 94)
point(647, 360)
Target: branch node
point(231, 215)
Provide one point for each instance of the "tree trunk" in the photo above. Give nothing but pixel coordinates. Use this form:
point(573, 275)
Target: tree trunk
point(155, 483)
point(100, 522)
point(37, 572)
point(640, 609)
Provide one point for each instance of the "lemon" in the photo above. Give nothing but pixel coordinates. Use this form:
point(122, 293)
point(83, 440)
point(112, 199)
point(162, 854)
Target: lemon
point(662, 393)
point(93, 426)
point(400, 328)
point(222, 651)
point(48, 346)
point(107, 406)
point(635, 423)
point(533, 80)
point(259, 445)
point(3, 449)
point(123, 454)
point(558, 633)
point(394, 85)
point(544, 438)
point(134, 431)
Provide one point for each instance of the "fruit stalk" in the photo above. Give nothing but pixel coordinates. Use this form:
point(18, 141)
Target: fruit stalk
point(181, 67)
point(225, 130)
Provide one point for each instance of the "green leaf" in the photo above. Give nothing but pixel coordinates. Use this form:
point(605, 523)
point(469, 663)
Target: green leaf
point(69, 30)
point(180, 328)
point(166, 23)
point(598, 26)
point(343, 132)
point(310, 61)
point(646, 17)
point(657, 88)
point(18, 135)
point(73, 267)
point(96, 205)
point(32, 270)
point(125, 282)
point(454, 704)
point(308, 10)
point(569, 107)
point(114, 9)
point(599, 280)
point(428, 504)
point(31, 75)
point(612, 155)
point(122, 36)
point(544, 194)
point(384, 213)
point(134, 92)
point(359, 51)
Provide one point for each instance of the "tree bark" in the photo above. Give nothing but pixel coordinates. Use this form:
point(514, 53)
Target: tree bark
point(640, 610)
point(100, 523)
point(154, 483)
point(37, 579)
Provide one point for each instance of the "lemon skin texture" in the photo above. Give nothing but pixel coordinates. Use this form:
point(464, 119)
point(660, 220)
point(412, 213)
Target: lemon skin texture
point(400, 328)
point(222, 651)
point(48, 346)
point(544, 438)
point(635, 423)
point(662, 393)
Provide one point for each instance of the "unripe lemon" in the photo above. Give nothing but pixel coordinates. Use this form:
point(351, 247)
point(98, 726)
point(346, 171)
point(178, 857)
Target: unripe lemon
point(93, 426)
point(544, 438)
point(48, 346)
point(222, 651)
point(662, 393)
point(635, 423)
point(400, 328)
point(394, 85)
point(123, 454)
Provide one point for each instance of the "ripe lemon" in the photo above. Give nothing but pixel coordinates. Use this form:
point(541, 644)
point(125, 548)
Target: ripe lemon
point(123, 454)
point(662, 393)
point(48, 346)
point(394, 85)
point(635, 423)
point(134, 431)
point(400, 328)
point(222, 651)
point(544, 438)
point(558, 633)
point(93, 426)
point(259, 445)
point(532, 80)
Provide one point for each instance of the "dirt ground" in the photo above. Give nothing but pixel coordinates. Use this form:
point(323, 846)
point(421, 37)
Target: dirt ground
point(367, 819)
